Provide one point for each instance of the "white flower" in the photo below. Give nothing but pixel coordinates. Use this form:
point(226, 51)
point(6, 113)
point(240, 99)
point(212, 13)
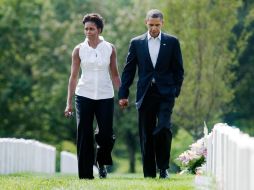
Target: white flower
point(196, 154)
point(187, 156)
point(199, 147)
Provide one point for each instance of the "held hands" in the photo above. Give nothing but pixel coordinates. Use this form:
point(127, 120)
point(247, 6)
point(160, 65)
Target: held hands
point(68, 112)
point(123, 103)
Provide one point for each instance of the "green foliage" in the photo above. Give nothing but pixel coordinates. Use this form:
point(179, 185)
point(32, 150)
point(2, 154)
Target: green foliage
point(241, 115)
point(17, 47)
point(68, 146)
point(204, 28)
point(122, 164)
point(195, 164)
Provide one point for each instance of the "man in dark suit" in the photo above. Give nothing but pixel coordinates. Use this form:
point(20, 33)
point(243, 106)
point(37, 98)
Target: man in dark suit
point(160, 75)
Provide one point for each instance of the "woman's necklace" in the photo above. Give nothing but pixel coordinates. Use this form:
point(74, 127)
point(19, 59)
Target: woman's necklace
point(94, 44)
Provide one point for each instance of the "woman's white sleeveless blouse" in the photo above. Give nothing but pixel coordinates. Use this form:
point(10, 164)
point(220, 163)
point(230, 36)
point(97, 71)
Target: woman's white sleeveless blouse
point(95, 81)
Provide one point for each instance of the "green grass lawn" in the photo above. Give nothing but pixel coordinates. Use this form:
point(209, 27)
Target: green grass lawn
point(113, 182)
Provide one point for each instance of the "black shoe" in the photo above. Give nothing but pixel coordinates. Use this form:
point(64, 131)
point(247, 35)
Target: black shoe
point(164, 174)
point(102, 172)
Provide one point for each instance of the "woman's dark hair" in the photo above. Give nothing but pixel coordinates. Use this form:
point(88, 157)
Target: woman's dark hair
point(95, 18)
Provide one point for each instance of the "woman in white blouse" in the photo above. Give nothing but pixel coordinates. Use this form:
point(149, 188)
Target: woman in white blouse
point(94, 97)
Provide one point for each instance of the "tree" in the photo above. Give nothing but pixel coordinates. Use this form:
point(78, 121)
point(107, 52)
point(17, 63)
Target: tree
point(19, 32)
point(241, 115)
point(204, 29)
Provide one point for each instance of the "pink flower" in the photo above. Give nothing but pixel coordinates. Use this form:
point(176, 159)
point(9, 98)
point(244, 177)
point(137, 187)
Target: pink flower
point(195, 156)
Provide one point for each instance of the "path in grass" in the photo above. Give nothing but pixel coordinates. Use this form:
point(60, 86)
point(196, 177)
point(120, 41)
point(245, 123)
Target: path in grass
point(113, 182)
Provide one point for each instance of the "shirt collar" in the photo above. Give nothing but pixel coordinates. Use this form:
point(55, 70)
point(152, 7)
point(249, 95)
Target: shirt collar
point(100, 37)
point(149, 36)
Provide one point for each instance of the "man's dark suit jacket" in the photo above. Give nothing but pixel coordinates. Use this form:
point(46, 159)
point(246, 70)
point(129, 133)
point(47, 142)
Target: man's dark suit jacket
point(168, 72)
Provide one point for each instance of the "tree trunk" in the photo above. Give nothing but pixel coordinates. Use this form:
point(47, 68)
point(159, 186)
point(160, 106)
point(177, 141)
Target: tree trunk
point(131, 146)
point(132, 163)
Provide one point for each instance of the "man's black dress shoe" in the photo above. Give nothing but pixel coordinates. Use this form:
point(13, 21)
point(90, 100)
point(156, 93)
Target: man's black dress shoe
point(164, 174)
point(102, 172)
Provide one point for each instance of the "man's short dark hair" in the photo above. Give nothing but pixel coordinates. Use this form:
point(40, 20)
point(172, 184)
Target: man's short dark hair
point(154, 13)
point(95, 18)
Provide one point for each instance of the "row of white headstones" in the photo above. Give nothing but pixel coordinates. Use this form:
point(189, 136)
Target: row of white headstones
point(22, 155)
point(230, 158)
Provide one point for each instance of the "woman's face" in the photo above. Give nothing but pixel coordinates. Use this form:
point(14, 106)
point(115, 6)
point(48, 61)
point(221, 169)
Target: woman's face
point(91, 30)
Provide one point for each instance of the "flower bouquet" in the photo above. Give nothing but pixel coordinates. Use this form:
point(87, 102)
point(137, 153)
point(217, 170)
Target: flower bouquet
point(191, 159)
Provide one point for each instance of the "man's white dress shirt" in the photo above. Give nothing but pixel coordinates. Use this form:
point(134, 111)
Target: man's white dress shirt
point(154, 47)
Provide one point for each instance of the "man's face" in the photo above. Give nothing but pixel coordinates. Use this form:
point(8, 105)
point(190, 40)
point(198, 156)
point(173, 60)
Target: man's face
point(154, 26)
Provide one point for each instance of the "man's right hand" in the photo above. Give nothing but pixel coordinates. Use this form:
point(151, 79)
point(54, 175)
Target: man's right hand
point(123, 103)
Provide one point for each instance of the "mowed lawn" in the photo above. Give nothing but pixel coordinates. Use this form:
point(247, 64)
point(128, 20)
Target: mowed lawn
point(113, 182)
